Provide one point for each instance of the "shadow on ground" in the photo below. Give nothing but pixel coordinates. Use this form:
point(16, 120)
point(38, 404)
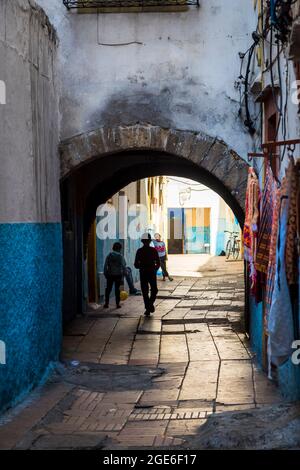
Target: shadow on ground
point(265, 428)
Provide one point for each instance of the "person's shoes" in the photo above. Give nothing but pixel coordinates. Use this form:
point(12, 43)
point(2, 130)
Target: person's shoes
point(164, 278)
point(119, 306)
point(152, 309)
point(147, 313)
point(171, 279)
point(133, 292)
point(105, 306)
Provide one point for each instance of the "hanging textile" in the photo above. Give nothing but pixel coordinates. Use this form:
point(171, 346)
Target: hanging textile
point(291, 256)
point(251, 230)
point(265, 225)
point(298, 239)
point(280, 321)
point(272, 256)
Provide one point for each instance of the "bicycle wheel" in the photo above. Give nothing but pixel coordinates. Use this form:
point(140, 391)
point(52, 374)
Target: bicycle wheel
point(236, 250)
point(228, 249)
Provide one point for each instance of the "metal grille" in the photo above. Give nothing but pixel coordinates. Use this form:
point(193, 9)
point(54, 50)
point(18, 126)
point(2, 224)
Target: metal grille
point(127, 3)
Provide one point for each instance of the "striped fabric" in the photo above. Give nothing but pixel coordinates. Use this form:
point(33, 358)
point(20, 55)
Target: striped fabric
point(291, 255)
point(250, 231)
point(265, 227)
point(272, 257)
point(251, 216)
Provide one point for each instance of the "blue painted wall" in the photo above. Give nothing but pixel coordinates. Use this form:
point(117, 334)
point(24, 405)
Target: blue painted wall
point(256, 329)
point(104, 247)
point(288, 374)
point(222, 237)
point(195, 239)
point(30, 307)
point(289, 380)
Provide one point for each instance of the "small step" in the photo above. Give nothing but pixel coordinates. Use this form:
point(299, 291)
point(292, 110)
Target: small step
point(183, 321)
point(172, 297)
point(227, 308)
point(159, 414)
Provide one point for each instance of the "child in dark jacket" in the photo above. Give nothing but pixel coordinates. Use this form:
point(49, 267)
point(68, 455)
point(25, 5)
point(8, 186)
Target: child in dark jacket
point(114, 270)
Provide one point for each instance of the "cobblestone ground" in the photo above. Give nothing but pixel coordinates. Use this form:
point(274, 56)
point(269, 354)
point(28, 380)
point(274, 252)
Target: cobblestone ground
point(148, 382)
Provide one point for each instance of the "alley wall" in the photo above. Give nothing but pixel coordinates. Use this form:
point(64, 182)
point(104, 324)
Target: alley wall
point(30, 228)
point(175, 70)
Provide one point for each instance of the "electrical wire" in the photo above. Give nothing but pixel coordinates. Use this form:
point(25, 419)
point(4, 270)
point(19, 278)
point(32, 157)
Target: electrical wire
point(248, 121)
point(271, 71)
point(284, 130)
point(188, 184)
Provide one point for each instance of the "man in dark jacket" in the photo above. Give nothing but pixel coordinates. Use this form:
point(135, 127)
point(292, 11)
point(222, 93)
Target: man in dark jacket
point(147, 261)
point(114, 270)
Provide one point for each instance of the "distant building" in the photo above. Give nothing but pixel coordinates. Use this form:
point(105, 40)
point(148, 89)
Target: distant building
point(197, 218)
point(139, 207)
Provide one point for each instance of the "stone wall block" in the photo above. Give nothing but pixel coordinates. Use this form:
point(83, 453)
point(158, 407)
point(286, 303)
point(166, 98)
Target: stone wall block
point(223, 166)
point(200, 147)
point(215, 157)
point(159, 138)
point(188, 143)
point(212, 155)
point(143, 137)
point(96, 144)
point(110, 140)
point(127, 136)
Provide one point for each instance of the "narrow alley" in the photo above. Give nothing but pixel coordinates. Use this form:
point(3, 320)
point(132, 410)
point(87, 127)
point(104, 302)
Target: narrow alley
point(150, 227)
point(133, 382)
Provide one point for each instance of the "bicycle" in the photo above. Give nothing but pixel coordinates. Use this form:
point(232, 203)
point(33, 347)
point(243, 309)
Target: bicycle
point(233, 245)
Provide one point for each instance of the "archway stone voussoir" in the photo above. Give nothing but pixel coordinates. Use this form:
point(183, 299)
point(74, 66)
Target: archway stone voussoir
point(159, 138)
point(200, 147)
point(220, 163)
point(175, 142)
point(212, 155)
point(216, 157)
point(128, 136)
point(73, 153)
point(97, 144)
point(141, 138)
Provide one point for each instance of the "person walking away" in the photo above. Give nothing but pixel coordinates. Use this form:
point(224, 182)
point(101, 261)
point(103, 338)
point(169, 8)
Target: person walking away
point(114, 270)
point(147, 261)
point(161, 249)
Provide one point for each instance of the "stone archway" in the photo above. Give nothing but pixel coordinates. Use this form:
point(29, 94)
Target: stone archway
point(97, 164)
point(210, 154)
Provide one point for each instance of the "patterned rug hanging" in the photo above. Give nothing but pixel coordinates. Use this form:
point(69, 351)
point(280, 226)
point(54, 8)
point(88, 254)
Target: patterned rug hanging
point(265, 226)
point(251, 229)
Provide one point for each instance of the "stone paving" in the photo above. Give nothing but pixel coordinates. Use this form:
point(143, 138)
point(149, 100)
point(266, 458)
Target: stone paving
point(148, 382)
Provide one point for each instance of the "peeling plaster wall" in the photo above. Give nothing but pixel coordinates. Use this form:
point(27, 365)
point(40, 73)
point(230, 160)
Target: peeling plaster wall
point(30, 221)
point(178, 70)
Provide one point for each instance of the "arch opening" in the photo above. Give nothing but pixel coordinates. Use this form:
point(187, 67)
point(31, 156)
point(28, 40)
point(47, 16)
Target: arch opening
point(96, 180)
point(139, 165)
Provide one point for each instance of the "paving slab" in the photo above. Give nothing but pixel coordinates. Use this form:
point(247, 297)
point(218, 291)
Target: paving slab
point(145, 350)
point(200, 381)
point(15, 429)
point(174, 348)
point(149, 382)
point(236, 382)
point(201, 348)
